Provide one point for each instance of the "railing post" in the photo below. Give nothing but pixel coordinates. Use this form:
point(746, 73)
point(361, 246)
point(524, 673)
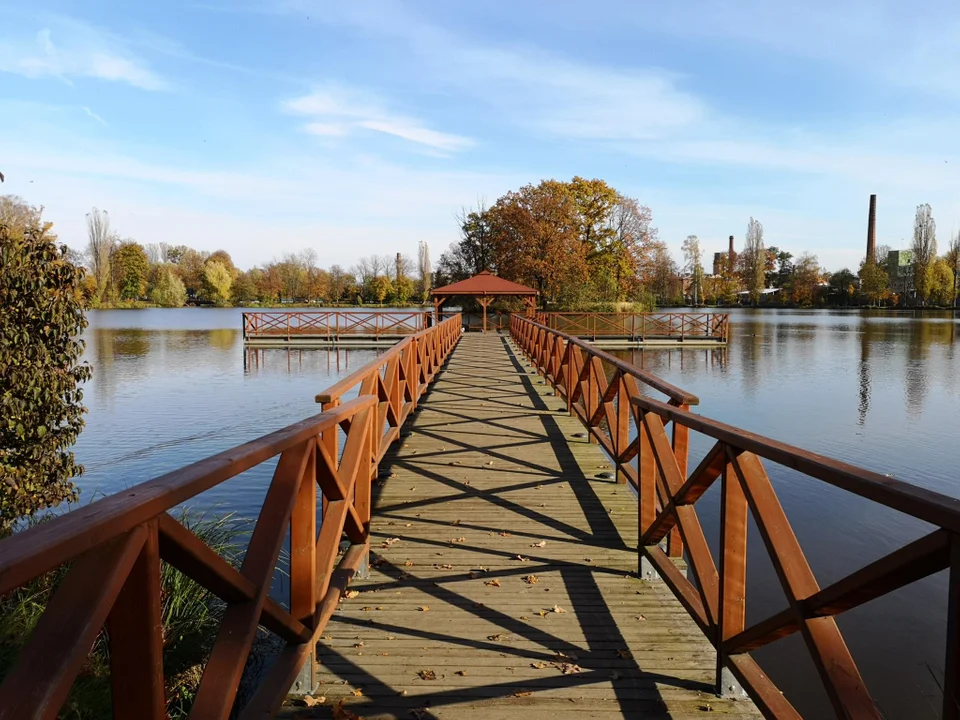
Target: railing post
point(733, 576)
point(135, 628)
point(681, 442)
point(303, 564)
point(570, 380)
point(951, 665)
point(646, 493)
point(622, 440)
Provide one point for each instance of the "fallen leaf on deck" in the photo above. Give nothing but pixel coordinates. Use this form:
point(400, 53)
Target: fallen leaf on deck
point(542, 613)
point(542, 543)
point(461, 673)
point(366, 608)
point(445, 566)
point(351, 593)
point(624, 654)
point(538, 665)
point(311, 701)
point(341, 713)
point(558, 609)
point(504, 533)
point(359, 644)
point(521, 558)
point(522, 693)
point(492, 583)
point(424, 608)
point(390, 541)
point(408, 563)
point(427, 675)
point(531, 579)
point(497, 637)
point(568, 668)
point(458, 540)
point(640, 617)
point(455, 522)
point(357, 693)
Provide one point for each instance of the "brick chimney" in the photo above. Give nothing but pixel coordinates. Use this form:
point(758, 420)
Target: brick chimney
point(872, 231)
point(731, 254)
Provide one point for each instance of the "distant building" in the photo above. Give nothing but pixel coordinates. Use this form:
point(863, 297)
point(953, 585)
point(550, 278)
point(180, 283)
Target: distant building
point(719, 262)
point(899, 268)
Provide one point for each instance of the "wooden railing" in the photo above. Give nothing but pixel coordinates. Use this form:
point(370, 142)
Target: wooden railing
point(114, 548)
point(287, 324)
point(641, 326)
point(633, 428)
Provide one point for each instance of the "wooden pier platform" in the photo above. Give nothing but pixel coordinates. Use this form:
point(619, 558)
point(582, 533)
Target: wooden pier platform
point(503, 580)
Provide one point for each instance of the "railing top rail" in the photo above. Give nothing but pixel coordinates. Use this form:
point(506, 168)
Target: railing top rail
point(32, 552)
point(672, 391)
point(335, 391)
point(927, 505)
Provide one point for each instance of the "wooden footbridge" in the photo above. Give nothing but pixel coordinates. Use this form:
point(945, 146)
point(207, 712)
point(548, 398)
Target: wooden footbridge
point(478, 526)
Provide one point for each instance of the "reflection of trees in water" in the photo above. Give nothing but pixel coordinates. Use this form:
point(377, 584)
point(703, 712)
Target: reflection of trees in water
point(749, 349)
point(131, 343)
point(915, 380)
point(868, 331)
point(223, 338)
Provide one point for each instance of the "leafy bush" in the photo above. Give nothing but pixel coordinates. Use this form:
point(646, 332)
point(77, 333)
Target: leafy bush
point(41, 413)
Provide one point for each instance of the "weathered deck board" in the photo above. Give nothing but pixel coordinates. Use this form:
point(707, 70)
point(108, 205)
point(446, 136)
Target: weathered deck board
point(496, 484)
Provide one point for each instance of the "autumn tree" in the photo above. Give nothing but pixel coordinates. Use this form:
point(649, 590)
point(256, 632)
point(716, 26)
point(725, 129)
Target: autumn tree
point(424, 270)
point(536, 239)
point(842, 286)
point(40, 369)
point(340, 280)
point(953, 262)
point(941, 283)
point(924, 247)
point(130, 268)
point(381, 286)
point(873, 282)
point(217, 282)
point(474, 252)
point(631, 245)
point(694, 265)
point(805, 281)
point(168, 289)
point(754, 261)
point(99, 245)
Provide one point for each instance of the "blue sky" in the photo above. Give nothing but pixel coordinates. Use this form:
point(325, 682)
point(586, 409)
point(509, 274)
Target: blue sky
point(267, 126)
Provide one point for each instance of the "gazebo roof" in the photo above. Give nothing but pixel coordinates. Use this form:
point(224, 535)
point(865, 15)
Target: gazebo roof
point(485, 283)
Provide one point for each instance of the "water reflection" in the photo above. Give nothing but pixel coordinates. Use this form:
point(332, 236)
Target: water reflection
point(878, 390)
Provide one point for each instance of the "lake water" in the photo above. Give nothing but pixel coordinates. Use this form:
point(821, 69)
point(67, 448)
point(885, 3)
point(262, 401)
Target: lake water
point(880, 391)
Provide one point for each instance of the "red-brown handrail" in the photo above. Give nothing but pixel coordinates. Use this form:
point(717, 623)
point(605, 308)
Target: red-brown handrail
point(270, 324)
point(632, 428)
point(115, 546)
point(678, 326)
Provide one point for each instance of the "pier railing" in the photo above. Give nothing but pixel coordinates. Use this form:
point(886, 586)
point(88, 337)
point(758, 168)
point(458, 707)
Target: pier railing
point(330, 325)
point(114, 548)
point(633, 428)
point(681, 327)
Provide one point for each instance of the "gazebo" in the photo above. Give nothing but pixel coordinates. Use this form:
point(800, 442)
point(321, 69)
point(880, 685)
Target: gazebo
point(485, 287)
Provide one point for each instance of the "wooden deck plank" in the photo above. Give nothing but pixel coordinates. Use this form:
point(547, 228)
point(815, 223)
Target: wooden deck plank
point(504, 570)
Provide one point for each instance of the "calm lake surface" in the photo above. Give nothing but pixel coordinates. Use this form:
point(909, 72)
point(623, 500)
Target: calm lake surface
point(881, 391)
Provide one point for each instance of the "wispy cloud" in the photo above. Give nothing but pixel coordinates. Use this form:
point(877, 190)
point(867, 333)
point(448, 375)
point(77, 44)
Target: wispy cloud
point(90, 113)
point(526, 86)
point(340, 111)
point(84, 52)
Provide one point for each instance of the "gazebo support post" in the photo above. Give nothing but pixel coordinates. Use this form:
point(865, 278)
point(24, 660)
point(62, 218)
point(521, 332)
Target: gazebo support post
point(484, 301)
point(531, 303)
point(437, 302)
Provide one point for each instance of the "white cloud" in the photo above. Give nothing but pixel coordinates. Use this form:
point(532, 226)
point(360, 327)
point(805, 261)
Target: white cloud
point(90, 113)
point(528, 87)
point(81, 52)
point(340, 111)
